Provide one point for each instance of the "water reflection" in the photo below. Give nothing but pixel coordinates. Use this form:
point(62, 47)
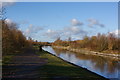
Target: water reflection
point(104, 66)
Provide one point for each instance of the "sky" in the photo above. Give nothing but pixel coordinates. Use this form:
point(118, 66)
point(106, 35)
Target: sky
point(46, 21)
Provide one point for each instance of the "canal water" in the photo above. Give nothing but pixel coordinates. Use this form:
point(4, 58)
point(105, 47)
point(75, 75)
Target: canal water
point(104, 66)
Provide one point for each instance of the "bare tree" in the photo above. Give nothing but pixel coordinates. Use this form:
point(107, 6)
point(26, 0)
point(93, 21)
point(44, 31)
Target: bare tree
point(2, 12)
point(69, 39)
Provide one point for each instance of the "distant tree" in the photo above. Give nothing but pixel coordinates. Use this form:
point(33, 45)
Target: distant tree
point(102, 43)
point(58, 39)
point(29, 38)
point(69, 39)
point(112, 40)
point(85, 41)
point(93, 42)
point(36, 41)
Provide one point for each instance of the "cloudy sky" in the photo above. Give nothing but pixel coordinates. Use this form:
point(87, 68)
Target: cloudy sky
point(50, 20)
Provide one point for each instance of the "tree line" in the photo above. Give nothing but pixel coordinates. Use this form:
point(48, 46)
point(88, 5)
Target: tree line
point(12, 38)
point(101, 42)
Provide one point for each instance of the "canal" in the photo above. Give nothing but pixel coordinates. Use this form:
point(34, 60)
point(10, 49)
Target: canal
point(104, 66)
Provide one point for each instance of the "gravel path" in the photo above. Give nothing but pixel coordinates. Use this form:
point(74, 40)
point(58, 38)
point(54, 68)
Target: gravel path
point(24, 65)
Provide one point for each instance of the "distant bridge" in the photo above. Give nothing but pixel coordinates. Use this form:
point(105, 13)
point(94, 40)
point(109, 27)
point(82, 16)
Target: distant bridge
point(42, 44)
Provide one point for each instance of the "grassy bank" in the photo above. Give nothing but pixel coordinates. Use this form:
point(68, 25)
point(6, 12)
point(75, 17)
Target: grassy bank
point(56, 67)
point(86, 51)
point(6, 59)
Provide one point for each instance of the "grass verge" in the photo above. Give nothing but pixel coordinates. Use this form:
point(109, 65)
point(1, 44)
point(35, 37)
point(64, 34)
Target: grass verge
point(6, 59)
point(57, 68)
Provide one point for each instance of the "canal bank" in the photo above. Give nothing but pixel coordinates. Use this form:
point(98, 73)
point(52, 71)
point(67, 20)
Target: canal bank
point(59, 68)
point(84, 51)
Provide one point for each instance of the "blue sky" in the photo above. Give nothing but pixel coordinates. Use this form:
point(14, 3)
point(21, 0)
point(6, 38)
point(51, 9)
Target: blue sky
point(50, 20)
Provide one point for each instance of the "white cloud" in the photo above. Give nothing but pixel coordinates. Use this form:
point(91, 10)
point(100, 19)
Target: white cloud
point(31, 30)
point(74, 30)
point(76, 37)
point(52, 34)
point(116, 33)
point(65, 33)
point(8, 21)
point(94, 22)
point(75, 22)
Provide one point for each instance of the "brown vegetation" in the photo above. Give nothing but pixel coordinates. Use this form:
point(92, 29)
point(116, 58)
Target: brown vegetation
point(12, 39)
point(101, 42)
